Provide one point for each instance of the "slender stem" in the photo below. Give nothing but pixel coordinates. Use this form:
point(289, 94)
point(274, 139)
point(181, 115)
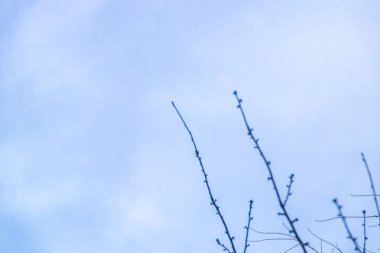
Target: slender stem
point(275, 239)
point(364, 232)
point(289, 186)
point(213, 200)
point(347, 217)
point(246, 245)
point(364, 195)
point(272, 233)
point(372, 186)
point(293, 247)
point(321, 245)
point(223, 246)
point(323, 240)
point(343, 218)
point(271, 177)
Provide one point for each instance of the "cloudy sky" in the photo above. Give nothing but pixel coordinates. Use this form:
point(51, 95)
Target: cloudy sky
point(93, 158)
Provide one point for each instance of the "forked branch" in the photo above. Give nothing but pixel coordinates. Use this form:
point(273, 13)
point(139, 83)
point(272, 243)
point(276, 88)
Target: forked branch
point(324, 241)
point(271, 177)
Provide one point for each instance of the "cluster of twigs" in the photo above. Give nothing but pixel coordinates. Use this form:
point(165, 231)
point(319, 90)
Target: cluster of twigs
point(293, 234)
point(350, 236)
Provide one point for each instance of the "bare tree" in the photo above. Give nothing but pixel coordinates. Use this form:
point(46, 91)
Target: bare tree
point(292, 235)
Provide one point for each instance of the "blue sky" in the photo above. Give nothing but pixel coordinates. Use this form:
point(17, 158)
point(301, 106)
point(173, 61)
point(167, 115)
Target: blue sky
point(94, 159)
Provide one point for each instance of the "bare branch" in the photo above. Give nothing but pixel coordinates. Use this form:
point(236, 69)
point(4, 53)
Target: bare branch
point(347, 217)
point(223, 246)
point(246, 244)
point(287, 237)
point(213, 200)
point(271, 177)
point(275, 239)
point(321, 245)
point(323, 240)
point(343, 218)
point(364, 195)
point(364, 232)
point(289, 186)
point(372, 186)
point(291, 248)
point(272, 233)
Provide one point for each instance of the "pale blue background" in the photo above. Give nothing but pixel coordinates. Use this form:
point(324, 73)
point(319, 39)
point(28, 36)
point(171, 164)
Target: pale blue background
point(94, 159)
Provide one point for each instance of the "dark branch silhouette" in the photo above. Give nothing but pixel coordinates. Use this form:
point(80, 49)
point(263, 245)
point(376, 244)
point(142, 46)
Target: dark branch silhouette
point(289, 223)
point(343, 218)
point(271, 177)
point(246, 244)
point(223, 246)
point(364, 232)
point(289, 186)
point(372, 186)
point(213, 200)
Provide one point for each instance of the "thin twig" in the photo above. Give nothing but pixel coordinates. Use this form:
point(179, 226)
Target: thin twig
point(271, 177)
point(364, 195)
point(274, 239)
point(287, 237)
point(323, 240)
point(272, 233)
point(369, 251)
point(246, 244)
point(223, 246)
point(289, 186)
point(372, 186)
point(213, 200)
point(293, 247)
point(347, 217)
point(321, 245)
point(343, 218)
point(364, 232)
point(292, 238)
